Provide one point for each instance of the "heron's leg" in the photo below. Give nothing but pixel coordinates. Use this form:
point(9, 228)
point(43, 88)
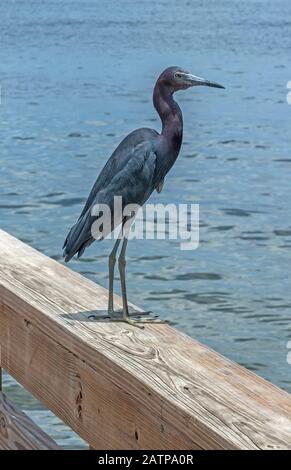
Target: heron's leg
point(121, 265)
point(125, 311)
point(111, 265)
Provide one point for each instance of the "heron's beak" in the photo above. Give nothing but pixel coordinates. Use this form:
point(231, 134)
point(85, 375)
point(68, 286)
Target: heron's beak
point(192, 80)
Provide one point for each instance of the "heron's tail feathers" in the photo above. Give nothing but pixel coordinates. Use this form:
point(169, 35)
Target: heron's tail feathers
point(78, 238)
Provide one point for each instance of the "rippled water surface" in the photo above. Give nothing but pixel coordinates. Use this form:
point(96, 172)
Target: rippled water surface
point(77, 76)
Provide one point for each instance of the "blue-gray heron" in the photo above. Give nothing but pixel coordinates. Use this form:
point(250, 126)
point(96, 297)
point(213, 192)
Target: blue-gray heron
point(136, 168)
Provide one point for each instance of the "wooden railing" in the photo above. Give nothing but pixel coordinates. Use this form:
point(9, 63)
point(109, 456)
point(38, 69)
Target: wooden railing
point(117, 386)
point(18, 432)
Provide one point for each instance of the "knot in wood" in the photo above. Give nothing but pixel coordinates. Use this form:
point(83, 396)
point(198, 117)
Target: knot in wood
point(3, 425)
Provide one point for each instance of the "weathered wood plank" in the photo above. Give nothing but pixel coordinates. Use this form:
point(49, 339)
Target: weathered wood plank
point(18, 432)
point(119, 386)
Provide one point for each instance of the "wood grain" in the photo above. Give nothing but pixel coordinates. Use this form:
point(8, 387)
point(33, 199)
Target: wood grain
point(120, 387)
point(18, 432)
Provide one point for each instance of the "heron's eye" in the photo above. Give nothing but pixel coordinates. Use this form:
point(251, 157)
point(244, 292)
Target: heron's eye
point(178, 75)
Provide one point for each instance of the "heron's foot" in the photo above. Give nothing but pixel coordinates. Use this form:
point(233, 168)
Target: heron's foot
point(139, 319)
point(140, 313)
point(117, 315)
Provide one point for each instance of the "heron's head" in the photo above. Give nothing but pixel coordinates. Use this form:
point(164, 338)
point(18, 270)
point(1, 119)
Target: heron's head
point(177, 78)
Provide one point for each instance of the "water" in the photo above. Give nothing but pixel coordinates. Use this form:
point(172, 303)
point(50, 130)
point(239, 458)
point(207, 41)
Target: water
point(77, 76)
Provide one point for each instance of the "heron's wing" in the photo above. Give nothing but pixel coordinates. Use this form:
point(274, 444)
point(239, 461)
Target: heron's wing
point(134, 183)
point(125, 151)
point(160, 186)
point(103, 179)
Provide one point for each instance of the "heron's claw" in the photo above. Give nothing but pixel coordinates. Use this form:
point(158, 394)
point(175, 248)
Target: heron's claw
point(116, 314)
point(141, 313)
point(132, 317)
point(135, 319)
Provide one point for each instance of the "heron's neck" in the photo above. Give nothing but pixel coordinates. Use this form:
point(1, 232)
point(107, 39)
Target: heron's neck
point(171, 117)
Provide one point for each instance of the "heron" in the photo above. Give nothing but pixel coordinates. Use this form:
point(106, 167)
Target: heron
point(137, 167)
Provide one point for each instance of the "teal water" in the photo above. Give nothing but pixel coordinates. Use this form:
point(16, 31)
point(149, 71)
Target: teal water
point(77, 76)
